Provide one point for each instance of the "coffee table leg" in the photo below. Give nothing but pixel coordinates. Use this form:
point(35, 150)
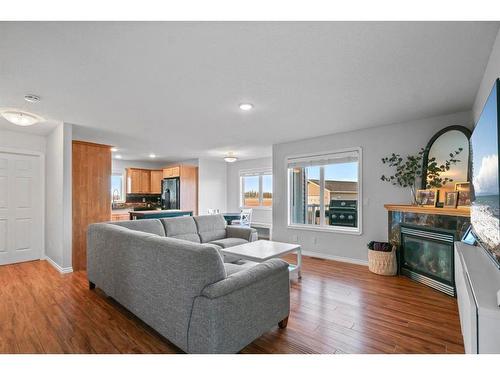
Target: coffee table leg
point(299, 263)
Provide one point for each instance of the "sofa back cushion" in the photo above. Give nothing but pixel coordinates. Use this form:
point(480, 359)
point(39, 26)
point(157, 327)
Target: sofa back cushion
point(211, 227)
point(156, 278)
point(152, 226)
point(182, 228)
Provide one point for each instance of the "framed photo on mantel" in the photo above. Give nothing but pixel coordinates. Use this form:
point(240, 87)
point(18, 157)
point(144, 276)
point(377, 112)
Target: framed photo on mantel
point(427, 198)
point(463, 189)
point(451, 199)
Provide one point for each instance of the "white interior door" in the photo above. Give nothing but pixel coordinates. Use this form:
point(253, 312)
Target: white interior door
point(21, 202)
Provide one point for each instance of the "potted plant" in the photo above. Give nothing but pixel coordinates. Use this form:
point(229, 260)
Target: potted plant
point(409, 171)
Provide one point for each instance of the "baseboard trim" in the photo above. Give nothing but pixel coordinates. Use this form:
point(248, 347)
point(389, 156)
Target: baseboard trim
point(58, 267)
point(335, 257)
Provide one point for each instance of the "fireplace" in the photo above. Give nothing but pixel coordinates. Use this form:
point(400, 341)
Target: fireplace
point(427, 256)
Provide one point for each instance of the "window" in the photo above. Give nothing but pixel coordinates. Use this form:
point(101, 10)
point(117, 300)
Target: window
point(256, 189)
point(117, 187)
point(324, 191)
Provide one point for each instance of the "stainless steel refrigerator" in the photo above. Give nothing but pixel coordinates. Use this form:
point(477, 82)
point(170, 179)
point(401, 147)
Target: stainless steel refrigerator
point(170, 193)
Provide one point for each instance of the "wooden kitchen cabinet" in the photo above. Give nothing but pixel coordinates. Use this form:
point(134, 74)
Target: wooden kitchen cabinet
point(134, 177)
point(171, 172)
point(91, 186)
point(156, 177)
point(143, 181)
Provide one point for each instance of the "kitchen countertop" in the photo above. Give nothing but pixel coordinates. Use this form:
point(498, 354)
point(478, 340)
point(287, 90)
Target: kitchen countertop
point(148, 212)
point(120, 211)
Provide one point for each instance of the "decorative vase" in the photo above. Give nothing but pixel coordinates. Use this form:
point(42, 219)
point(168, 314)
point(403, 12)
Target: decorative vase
point(413, 194)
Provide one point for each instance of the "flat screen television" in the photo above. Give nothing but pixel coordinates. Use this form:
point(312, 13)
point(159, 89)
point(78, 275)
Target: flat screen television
point(485, 208)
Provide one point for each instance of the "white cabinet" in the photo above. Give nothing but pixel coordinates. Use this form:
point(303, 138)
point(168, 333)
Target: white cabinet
point(478, 281)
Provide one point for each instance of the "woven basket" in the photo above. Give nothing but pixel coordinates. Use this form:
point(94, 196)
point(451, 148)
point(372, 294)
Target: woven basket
point(383, 263)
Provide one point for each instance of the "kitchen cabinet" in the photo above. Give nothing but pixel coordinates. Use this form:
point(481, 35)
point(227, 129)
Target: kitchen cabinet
point(120, 216)
point(91, 180)
point(171, 172)
point(143, 181)
point(156, 177)
point(134, 181)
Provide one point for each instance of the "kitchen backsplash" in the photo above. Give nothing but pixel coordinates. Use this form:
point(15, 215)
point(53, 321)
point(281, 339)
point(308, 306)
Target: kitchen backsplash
point(138, 200)
point(143, 198)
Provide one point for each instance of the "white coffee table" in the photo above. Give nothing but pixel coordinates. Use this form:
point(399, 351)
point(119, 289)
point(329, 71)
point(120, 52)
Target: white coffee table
point(262, 250)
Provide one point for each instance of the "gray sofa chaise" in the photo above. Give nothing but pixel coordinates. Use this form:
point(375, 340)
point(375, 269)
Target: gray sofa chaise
point(170, 274)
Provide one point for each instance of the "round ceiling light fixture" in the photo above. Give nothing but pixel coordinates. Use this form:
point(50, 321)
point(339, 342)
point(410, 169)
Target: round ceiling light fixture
point(118, 156)
point(21, 118)
point(114, 149)
point(230, 158)
point(152, 156)
point(246, 106)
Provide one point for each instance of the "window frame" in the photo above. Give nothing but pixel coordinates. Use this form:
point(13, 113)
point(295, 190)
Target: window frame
point(322, 227)
point(250, 173)
point(124, 188)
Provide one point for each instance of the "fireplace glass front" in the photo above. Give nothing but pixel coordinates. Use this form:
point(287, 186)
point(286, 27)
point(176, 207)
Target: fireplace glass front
point(427, 256)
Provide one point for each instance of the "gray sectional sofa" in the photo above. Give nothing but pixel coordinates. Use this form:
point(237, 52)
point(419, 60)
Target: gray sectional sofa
point(171, 274)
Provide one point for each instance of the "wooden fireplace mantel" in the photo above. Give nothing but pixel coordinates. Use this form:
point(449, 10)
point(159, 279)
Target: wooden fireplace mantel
point(461, 211)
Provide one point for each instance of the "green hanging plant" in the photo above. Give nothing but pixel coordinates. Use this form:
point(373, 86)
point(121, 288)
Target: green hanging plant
point(408, 171)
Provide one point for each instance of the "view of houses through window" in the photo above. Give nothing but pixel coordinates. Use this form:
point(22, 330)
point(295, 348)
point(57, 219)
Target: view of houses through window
point(324, 190)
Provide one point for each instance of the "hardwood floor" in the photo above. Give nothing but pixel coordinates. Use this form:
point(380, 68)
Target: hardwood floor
point(335, 308)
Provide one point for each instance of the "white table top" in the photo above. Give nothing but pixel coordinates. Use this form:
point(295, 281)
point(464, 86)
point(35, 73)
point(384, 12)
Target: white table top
point(261, 250)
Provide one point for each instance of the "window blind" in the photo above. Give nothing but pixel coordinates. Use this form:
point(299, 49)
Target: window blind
point(323, 159)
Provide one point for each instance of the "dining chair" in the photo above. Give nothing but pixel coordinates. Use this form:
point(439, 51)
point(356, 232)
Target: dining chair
point(245, 218)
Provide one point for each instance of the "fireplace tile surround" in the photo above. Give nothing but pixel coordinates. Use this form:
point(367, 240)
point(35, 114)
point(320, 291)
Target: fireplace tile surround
point(435, 222)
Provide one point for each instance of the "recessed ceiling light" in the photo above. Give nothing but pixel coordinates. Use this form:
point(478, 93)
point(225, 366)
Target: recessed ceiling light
point(21, 118)
point(230, 158)
point(31, 98)
point(118, 156)
point(152, 156)
point(114, 149)
point(246, 106)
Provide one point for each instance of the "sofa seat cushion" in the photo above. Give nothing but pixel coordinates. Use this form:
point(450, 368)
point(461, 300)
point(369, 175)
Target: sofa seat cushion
point(210, 227)
point(229, 242)
point(152, 226)
point(182, 228)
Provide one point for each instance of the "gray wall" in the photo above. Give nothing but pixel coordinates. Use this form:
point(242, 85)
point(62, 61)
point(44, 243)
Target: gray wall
point(375, 143)
point(58, 219)
point(211, 185)
point(491, 73)
point(259, 215)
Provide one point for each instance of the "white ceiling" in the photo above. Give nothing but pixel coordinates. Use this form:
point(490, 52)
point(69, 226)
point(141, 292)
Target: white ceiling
point(173, 88)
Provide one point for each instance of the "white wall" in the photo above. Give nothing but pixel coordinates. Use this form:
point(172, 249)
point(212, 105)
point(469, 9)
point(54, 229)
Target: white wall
point(491, 73)
point(259, 215)
point(211, 185)
point(22, 141)
point(119, 166)
point(58, 201)
point(375, 143)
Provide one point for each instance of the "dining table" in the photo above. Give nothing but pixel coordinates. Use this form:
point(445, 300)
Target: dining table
point(230, 216)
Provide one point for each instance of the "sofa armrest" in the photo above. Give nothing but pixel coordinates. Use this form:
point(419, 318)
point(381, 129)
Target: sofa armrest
point(246, 233)
point(231, 313)
point(245, 278)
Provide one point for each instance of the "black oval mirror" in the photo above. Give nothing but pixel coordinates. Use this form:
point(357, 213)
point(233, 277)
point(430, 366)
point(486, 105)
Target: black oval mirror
point(444, 142)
